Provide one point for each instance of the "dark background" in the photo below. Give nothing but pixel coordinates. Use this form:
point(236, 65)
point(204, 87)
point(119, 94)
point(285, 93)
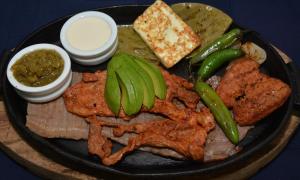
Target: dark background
point(277, 21)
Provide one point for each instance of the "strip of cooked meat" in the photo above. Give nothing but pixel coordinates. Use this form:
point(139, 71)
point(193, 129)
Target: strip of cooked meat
point(252, 94)
point(98, 144)
point(180, 88)
point(167, 108)
point(86, 98)
point(185, 138)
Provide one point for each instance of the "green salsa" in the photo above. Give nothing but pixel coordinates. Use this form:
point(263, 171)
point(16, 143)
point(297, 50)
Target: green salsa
point(38, 68)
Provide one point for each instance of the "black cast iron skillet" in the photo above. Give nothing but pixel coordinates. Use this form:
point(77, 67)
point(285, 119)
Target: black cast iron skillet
point(142, 164)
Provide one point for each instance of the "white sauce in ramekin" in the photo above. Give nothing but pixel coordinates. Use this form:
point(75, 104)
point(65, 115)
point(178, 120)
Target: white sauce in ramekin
point(90, 37)
point(88, 33)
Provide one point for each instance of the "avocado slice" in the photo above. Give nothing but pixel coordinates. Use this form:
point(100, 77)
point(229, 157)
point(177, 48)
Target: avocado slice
point(132, 82)
point(125, 98)
point(132, 89)
point(160, 87)
point(148, 87)
point(112, 92)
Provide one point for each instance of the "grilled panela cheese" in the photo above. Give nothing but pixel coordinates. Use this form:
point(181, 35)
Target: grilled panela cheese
point(166, 34)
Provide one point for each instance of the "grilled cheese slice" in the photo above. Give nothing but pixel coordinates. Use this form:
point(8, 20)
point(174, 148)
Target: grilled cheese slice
point(166, 34)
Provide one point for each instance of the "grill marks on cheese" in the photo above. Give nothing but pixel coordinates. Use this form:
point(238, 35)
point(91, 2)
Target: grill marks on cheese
point(165, 33)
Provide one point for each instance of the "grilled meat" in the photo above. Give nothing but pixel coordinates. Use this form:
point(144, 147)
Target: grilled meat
point(86, 98)
point(52, 120)
point(251, 94)
point(98, 144)
point(181, 89)
point(184, 131)
point(185, 138)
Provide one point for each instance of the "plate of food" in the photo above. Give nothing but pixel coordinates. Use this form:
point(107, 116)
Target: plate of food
point(165, 91)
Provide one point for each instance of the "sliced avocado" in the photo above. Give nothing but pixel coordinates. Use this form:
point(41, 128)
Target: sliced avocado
point(132, 89)
point(125, 98)
point(160, 87)
point(112, 93)
point(148, 87)
point(115, 62)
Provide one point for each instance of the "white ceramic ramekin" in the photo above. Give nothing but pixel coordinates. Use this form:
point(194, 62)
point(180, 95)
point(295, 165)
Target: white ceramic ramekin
point(47, 92)
point(91, 57)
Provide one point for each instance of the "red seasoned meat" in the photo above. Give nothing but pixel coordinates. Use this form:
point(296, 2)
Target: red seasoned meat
point(251, 94)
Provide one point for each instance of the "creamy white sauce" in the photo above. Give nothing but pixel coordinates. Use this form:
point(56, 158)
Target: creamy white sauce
point(88, 33)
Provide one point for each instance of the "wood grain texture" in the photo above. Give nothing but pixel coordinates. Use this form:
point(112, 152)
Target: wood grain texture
point(24, 154)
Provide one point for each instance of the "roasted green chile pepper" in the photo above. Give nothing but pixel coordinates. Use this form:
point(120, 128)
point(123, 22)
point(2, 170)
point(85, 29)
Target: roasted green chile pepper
point(223, 42)
point(216, 60)
point(219, 110)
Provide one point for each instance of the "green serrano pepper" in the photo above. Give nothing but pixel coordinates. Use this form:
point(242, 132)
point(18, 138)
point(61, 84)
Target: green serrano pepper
point(216, 60)
point(221, 43)
point(219, 110)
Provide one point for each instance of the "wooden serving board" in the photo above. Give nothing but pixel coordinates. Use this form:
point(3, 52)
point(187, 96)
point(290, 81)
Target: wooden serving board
point(18, 149)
